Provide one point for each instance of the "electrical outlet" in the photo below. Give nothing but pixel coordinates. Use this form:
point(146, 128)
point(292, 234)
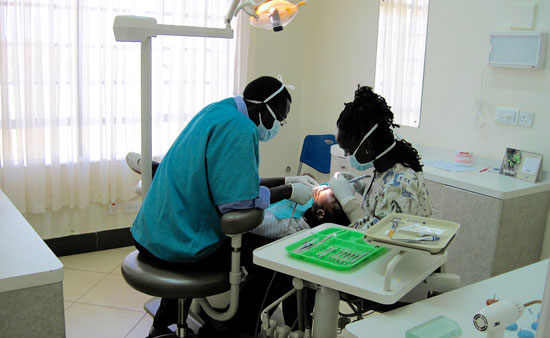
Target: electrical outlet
point(507, 115)
point(131, 207)
point(525, 119)
point(113, 209)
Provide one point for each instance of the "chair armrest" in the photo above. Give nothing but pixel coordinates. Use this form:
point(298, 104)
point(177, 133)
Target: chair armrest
point(240, 221)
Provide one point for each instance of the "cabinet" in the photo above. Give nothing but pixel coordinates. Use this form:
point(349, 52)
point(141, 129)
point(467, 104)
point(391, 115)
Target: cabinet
point(496, 235)
point(31, 280)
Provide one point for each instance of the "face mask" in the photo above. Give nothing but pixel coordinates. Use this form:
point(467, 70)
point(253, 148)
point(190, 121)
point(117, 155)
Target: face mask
point(267, 134)
point(355, 164)
point(264, 133)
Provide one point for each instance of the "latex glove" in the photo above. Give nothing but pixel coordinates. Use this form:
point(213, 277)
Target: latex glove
point(301, 193)
point(306, 180)
point(359, 186)
point(345, 194)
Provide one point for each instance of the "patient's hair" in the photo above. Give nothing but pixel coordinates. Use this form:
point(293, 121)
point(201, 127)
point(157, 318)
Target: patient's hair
point(261, 88)
point(367, 109)
point(336, 216)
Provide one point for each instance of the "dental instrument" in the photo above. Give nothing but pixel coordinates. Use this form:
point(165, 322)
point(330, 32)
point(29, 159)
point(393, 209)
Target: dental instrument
point(395, 222)
point(306, 245)
point(418, 239)
point(355, 179)
point(496, 317)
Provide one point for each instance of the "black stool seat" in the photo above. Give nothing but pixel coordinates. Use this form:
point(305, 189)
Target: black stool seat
point(145, 277)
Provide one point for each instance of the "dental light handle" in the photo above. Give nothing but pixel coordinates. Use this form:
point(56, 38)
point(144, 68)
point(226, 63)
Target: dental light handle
point(494, 318)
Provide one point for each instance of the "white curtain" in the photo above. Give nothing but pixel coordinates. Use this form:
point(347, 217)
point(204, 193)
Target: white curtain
point(400, 57)
point(70, 94)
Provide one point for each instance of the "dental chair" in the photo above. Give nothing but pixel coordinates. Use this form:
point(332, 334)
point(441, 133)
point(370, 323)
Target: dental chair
point(187, 285)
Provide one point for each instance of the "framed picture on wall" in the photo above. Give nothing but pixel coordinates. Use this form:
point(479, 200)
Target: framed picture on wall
point(521, 164)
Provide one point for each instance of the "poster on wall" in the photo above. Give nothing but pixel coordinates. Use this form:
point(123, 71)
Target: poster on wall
point(521, 164)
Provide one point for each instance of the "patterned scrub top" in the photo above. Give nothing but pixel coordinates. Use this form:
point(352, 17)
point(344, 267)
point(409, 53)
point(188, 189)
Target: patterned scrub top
point(399, 189)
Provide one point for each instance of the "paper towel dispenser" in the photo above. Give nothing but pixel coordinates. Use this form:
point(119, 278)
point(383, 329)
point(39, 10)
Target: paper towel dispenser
point(518, 49)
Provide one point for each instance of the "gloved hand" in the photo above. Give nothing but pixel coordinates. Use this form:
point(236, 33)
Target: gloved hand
point(301, 193)
point(345, 194)
point(306, 180)
point(359, 186)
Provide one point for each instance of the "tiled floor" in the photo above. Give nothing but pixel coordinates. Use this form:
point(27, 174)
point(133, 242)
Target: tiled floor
point(98, 302)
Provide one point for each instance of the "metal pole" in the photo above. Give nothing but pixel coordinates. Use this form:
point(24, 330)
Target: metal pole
point(325, 318)
point(146, 106)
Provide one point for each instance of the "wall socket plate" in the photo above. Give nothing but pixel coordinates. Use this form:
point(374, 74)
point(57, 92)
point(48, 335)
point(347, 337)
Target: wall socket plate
point(525, 119)
point(507, 115)
point(113, 209)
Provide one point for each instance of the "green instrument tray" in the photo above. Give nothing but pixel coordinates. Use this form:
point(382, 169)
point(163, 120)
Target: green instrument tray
point(336, 248)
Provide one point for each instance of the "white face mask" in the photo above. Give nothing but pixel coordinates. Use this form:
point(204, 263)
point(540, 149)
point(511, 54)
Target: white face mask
point(268, 134)
point(355, 164)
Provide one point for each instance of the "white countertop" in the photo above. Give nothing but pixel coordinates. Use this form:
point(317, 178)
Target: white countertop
point(25, 260)
point(486, 183)
point(521, 285)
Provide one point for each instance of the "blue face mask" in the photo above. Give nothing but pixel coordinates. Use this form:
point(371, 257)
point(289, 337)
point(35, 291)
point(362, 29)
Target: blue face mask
point(267, 134)
point(264, 133)
point(358, 166)
point(355, 164)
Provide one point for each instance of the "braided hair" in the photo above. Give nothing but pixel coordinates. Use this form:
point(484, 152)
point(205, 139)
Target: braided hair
point(367, 109)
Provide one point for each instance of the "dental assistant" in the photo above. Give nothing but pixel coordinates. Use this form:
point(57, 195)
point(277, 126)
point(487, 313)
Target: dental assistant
point(211, 169)
point(365, 131)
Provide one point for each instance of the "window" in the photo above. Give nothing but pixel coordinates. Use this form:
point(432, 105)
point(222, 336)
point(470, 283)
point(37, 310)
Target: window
point(400, 57)
point(70, 94)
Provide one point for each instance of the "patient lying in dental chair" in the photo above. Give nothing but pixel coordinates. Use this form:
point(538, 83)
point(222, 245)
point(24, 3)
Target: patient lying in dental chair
point(285, 217)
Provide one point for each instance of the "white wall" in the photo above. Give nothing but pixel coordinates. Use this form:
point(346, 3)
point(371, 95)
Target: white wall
point(67, 221)
point(339, 51)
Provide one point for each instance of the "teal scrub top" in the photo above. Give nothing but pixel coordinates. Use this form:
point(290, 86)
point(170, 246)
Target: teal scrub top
point(213, 161)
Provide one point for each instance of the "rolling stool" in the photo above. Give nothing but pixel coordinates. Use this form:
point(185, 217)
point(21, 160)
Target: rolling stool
point(186, 285)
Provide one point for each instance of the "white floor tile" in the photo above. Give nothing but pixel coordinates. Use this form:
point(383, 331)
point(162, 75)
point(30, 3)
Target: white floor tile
point(114, 292)
point(142, 328)
point(116, 271)
point(67, 304)
point(344, 307)
point(77, 282)
point(91, 321)
point(97, 261)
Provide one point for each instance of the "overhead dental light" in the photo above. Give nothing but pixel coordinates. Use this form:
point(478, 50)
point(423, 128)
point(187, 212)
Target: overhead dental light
point(270, 14)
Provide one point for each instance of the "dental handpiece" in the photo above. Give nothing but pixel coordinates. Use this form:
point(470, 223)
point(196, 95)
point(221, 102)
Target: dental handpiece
point(355, 179)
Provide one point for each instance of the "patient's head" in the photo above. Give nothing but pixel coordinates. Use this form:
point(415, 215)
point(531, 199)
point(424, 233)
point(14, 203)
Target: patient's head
point(325, 209)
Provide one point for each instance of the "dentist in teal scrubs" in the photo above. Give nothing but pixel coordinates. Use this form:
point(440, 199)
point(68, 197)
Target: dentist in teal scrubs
point(211, 169)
